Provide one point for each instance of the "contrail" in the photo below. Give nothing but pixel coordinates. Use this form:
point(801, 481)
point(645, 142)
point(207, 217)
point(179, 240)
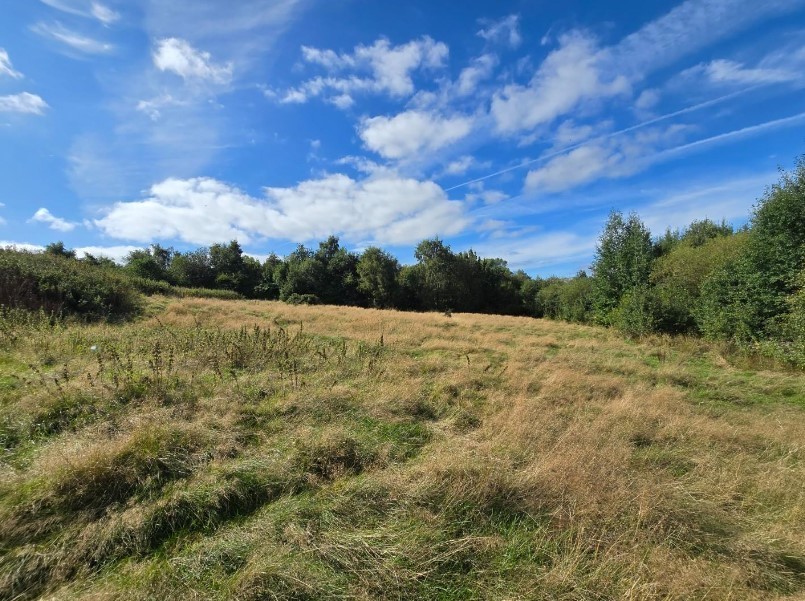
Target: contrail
point(620, 132)
point(744, 131)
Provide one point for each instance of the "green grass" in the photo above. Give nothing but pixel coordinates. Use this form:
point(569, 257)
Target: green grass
point(247, 450)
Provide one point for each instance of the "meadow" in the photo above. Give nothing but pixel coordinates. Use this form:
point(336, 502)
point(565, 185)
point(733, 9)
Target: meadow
point(234, 449)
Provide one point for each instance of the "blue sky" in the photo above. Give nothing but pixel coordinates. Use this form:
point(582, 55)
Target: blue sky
point(509, 127)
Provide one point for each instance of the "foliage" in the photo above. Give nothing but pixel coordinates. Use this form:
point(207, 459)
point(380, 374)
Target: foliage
point(702, 279)
point(192, 269)
point(622, 262)
point(63, 285)
point(677, 280)
point(377, 277)
point(746, 299)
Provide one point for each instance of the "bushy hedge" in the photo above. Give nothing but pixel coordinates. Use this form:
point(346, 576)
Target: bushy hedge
point(205, 293)
point(150, 287)
point(64, 286)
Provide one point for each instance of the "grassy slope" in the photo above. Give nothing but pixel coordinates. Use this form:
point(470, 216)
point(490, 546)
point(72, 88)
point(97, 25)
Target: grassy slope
point(465, 457)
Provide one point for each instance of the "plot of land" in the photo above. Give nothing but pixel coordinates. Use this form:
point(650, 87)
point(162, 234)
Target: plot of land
point(256, 450)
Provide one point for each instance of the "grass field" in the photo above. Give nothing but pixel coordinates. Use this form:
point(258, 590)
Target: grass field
point(255, 450)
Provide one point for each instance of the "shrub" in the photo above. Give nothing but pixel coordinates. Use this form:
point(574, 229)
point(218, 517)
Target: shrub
point(789, 342)
point(148, 286)
point(634, 313)
point(205, 293)
point(677, 279)
point(62, 285)
point(302, 299)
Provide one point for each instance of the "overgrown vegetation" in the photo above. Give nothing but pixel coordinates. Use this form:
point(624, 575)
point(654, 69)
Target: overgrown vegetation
point(259, 450)
point(739, 287)
point(63, 286)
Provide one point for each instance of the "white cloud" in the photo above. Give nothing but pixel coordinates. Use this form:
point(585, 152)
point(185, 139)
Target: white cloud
point(178, 56)
point(342, 101)
point(647, 100)
point(154, 107)
point(493, 196)
point(480, 69)
point(390, 70)
point(577, 167)
point(732, 72)
point(104, 14)
point(621, 154)
point(570, 133)
point(85, 8)
point(73, 39)
point(779, 67)
point(21, 246)
point(23, 103)
point(459, 166)
point(605, 158)
point(116, 253)
point(689, 27)
point(384, 206)
point(569, 75)
point(5, 66)
point(579, 73)
point(412, 132)
point(505, 31)
point(245, 27)
point(53, 222)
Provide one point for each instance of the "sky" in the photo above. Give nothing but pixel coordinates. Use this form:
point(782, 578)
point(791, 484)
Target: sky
point(510, 127)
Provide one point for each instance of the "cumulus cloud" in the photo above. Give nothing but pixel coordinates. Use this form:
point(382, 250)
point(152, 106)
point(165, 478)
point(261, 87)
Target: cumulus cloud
point(569, 75)
point(506, 31)
point(5, 66)
point(72, 39)
point(480, 69)
point(179, 57)
point(23, 103)
point(380, 68)
point(384, 206)
point(412, 132)
point(85, 8)
point(53, 222)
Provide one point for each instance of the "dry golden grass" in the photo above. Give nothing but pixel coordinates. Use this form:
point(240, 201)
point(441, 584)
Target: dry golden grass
point(378, 454)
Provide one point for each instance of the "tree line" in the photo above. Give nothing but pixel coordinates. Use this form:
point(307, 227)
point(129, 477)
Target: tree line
point(745, 286)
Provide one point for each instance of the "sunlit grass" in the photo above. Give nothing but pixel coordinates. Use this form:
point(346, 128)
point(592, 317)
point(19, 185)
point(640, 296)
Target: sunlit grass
point(255, 450)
